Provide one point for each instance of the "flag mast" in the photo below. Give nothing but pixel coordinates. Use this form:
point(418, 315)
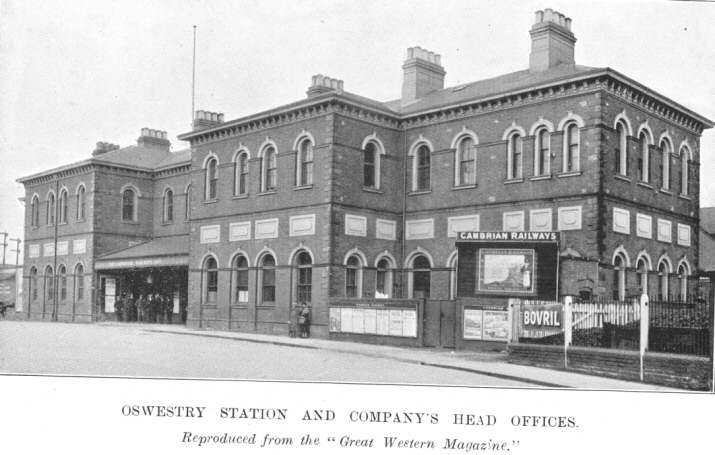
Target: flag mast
point(193, 79)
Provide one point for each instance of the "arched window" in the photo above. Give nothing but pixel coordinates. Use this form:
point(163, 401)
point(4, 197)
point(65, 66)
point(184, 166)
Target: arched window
point(663, 275)
point(187, 207)
point(211, 179)
point(33, 283)
point(240, 186)
point(168, 206)
point(384, 279)
point(304, 163)
point(81, 203)
point(35, 212)
point(268, 163)
point(420, 277)
point(268, 279)
point(514, 156)
point(684, 161)
point(422, 169)
point(622, 133)
point(619, 278)
point(62, 276)
point(240, 279)
point(572, 140)
point(644, 160)
point(304, 281)
point(210, 270)
point(370, 166)
point(642, 270)
point(129, 205)
point(542, 152)
point(683, 273)
point(353, 277)
point(665, 163)
point(49, 283)
point(466, 162)
point(79, 282)
point(50, 218)
point(63, 207)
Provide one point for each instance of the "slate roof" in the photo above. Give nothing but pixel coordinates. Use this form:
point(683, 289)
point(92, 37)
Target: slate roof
point(160, 246)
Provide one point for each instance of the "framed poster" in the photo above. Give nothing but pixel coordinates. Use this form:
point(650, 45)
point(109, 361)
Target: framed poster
point(409, 323)
point(383, 322)
point(496, 325)
point(334, 319)
point(358, 320)
point(396, 323)
point(473, 323)
point(370, 320)
point(506, 271)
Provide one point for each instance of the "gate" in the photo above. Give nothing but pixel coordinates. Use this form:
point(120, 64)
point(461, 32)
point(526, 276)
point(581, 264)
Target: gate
point(439, 323)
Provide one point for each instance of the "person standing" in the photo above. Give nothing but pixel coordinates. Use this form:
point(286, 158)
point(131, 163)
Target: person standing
point(119, 307)
point(304, 320)
point(168, 308)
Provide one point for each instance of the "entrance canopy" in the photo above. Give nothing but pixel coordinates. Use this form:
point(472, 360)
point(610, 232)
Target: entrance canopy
point(160, 252)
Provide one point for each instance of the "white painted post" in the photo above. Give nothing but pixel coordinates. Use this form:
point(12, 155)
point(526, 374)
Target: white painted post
point(513, 319)
point(568, 328)
point(644, 332)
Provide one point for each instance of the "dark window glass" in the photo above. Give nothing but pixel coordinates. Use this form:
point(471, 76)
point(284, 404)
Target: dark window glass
point(49, 283)
point(305, 161)
point(571, 162)
point(35, 212)
point(423, 168)
point(369, 156)
point(80, 203)
point(51, 209)
point(516, 156)
point(63, 207)
point(351, 277)
point(79, 281)
point(467, 159)
point(168, 206)
point(268, 279)
point(421, 277)
point(241, 174)
point(62, 272)
point(542, 152)
point(33, 283)
point(622, 155)
point(269, 158)
point(305, 277)
point(211, 270)
point(382, 284)
point(128, 200)
point(187, 208)
point(241, 270)
point(211, 179)
point(644, 159)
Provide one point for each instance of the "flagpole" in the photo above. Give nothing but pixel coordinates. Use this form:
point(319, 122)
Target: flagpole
point(193, 79)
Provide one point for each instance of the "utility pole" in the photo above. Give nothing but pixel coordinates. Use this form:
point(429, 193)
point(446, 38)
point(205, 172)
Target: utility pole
point(16, 250)
point(4, 245)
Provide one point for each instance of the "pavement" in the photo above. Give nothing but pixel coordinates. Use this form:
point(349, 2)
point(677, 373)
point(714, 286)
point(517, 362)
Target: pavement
point(486, 363)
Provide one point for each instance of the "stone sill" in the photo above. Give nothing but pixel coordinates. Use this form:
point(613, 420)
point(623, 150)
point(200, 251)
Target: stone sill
point(511, 181)
point(303, 187)
point(268, 192)
point(240, 196)
point(664, 191)
point(464, 187)
point(645, 185)
point(622, 177)
point(685, 197)
point(569, 174)
point(210, 201)
point(541, 177)
point(419, 192)
point(370, 189)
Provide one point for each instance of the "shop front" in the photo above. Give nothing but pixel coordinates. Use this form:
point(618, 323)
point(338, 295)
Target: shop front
point(147, 283)
point(495, 267)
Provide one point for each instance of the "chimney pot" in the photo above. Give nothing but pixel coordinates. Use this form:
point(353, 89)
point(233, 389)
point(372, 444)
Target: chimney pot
point(552, 42)
point(422, 73)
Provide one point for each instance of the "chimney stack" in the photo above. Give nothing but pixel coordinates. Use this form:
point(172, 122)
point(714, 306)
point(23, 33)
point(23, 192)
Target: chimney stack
point(422, 73)
point(151, 138)
point(205, 119)
point(324, 84)
point(552, 42)
point(104, 147)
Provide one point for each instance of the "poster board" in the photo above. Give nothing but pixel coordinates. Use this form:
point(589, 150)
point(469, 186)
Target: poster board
point(506, 271)
point(485, 324)
point(374, 321)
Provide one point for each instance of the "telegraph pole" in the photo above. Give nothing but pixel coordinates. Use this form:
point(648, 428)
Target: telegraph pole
point(16, 250)
point(4, 245)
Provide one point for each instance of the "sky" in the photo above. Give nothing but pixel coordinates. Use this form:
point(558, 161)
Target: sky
point(73, 73)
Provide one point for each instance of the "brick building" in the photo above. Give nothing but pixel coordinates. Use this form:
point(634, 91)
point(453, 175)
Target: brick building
point(338, 199)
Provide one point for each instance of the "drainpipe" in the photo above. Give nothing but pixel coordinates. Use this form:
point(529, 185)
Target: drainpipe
point(403, 241)
point(54, 268)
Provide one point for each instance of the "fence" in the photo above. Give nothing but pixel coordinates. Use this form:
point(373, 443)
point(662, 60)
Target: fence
point(672, 327)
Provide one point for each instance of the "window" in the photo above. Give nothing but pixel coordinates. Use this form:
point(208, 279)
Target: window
point(684, 158)
point(35, 212)
point(665, 164)
point(63, 207)
point(49, 283)
point(622, 150)
point(644, 160)
point(352, 278)
point(268, 163)
point(81, 203)
point(168, 206)
point(304, 282)
point(466, 161)
point(420, 277)
point(452, 266)
point(422, 169)
point(210, 192)
point(683, 273)
point(663, 272)
point(129, 201)
point(571, 148)
point(384, 280)
point(268, 279)
point(304, 163)
point(210, 270)
point(62, 276)
point(187, 208)
point(542, 152)
point(33, 284)
point(642, 270)
point(79, 282)
point(370, 168)
point(240, 186)
point(240, 271)
point(619, 278)
point(514, 156)
point(50, 218)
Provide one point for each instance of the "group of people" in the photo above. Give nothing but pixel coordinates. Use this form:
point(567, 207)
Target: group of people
point(145, 308)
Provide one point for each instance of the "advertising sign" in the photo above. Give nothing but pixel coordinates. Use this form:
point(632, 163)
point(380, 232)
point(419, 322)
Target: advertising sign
point(506, 271)
point(542, 317)
point(496, 325)
point(473, 322)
